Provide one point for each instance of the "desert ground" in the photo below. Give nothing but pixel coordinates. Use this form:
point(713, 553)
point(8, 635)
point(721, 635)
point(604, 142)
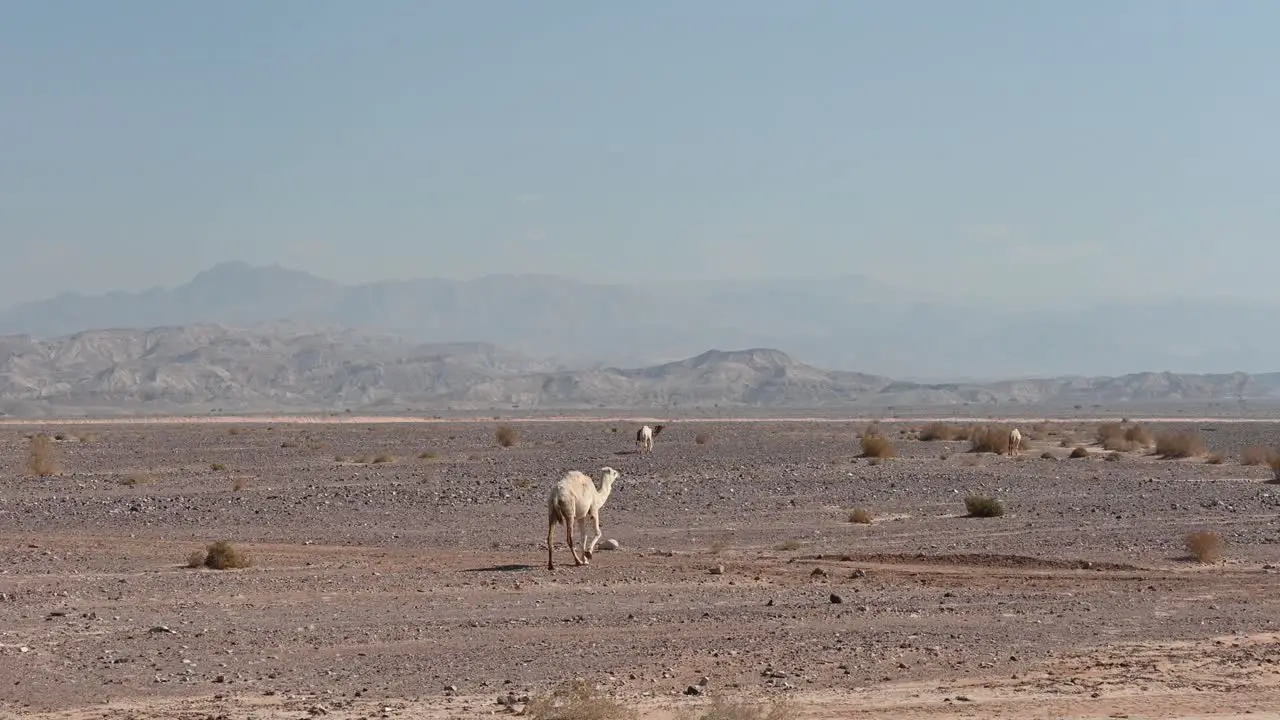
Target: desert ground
point(398, 570)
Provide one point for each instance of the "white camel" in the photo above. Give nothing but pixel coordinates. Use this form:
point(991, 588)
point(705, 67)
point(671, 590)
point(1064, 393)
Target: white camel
point(575, 498)
point(1015, 442)
point(645, 436)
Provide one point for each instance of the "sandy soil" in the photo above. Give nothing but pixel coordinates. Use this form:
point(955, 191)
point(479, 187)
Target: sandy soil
point(417, 587)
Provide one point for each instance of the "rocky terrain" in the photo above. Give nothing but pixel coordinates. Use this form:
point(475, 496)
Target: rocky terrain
point(843, 323)
point(284, 367)
point(398, 570)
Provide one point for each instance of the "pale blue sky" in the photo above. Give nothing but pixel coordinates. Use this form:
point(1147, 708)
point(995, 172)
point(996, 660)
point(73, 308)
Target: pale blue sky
point(1021, 147)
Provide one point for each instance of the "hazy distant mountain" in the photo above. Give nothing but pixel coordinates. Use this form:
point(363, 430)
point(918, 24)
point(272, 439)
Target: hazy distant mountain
point(849, 323)
point(200, 368)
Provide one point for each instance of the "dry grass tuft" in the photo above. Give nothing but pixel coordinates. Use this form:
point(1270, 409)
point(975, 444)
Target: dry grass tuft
point(989, 439)
point(383, 458)
point(702, 438)
point(860, 516)
point(1179, 444)
point(42, 458)
point(983, 506)
point(506, 435)
point(428, 455)
point(577, 700)
point(789, 545)
point(1255, 455)
point(138, 479)
point(219, 556)
point(239, 484)
point(1216, 458)
point(217, 467)
point(875, 445)
point(1078, 452)
point(1205, 546)
point(1046, 455)
point(1274, 463)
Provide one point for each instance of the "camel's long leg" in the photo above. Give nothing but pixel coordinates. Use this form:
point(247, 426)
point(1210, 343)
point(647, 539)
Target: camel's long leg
point(592, 548)
point(551, 527)
point(568, 535)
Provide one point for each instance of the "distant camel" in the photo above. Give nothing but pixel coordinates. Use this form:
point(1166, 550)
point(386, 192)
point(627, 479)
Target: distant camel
point(645, 436)
point(575, 498)
point(1015, 442)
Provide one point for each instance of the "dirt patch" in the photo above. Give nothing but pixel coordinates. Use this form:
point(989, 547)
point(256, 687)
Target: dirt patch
point(980, 560)
point(418, 588)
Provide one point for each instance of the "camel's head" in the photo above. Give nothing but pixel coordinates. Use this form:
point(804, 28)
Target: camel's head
point(657, 429)
point(608, 475)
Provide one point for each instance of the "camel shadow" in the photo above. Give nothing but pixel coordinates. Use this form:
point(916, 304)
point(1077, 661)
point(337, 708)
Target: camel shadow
point(627, 452)
point(501, 568)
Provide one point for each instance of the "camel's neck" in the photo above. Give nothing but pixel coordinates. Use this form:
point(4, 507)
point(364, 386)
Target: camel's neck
point(606, 487)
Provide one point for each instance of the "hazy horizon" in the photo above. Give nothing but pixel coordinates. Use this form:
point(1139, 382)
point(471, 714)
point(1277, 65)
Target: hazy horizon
point(988, 149)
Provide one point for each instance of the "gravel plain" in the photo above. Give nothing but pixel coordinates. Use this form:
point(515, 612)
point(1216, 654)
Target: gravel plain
point(398, 570)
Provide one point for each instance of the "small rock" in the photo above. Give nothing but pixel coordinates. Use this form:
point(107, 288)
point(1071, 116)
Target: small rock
point(693, 690)
point(859, 573)
point(704, 680)
point(717, 570)
point(963, 698)
point(609, 544)
point(836, 599)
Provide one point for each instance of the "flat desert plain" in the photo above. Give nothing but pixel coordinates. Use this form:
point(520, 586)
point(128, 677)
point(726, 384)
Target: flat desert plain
point(399, 571)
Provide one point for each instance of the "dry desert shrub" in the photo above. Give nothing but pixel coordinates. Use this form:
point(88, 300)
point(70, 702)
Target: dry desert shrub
point(702, 438)
point(1046, 455)
point(1116, 436)
point(428, 455)
point(1179, 444)
point(983, 506)
point(938, 431)
point(219, 556)
point(875, 445)
point(217, 467)
point(860, 516)
point(239, 484)
point(384, 458)
point(1204, 546)
point(42, 458)
point(989, 439)
point(506, 435)
point(789, 545)
point(577, 700)
point(1216, 458)
point(1274, 463)
point(1114, 457)
point(1078, 452)
point(138, 479)
point(1255, 455)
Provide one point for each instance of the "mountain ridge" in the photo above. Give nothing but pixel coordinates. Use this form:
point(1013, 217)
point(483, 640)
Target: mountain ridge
point(299, 367)
point(849, 323)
